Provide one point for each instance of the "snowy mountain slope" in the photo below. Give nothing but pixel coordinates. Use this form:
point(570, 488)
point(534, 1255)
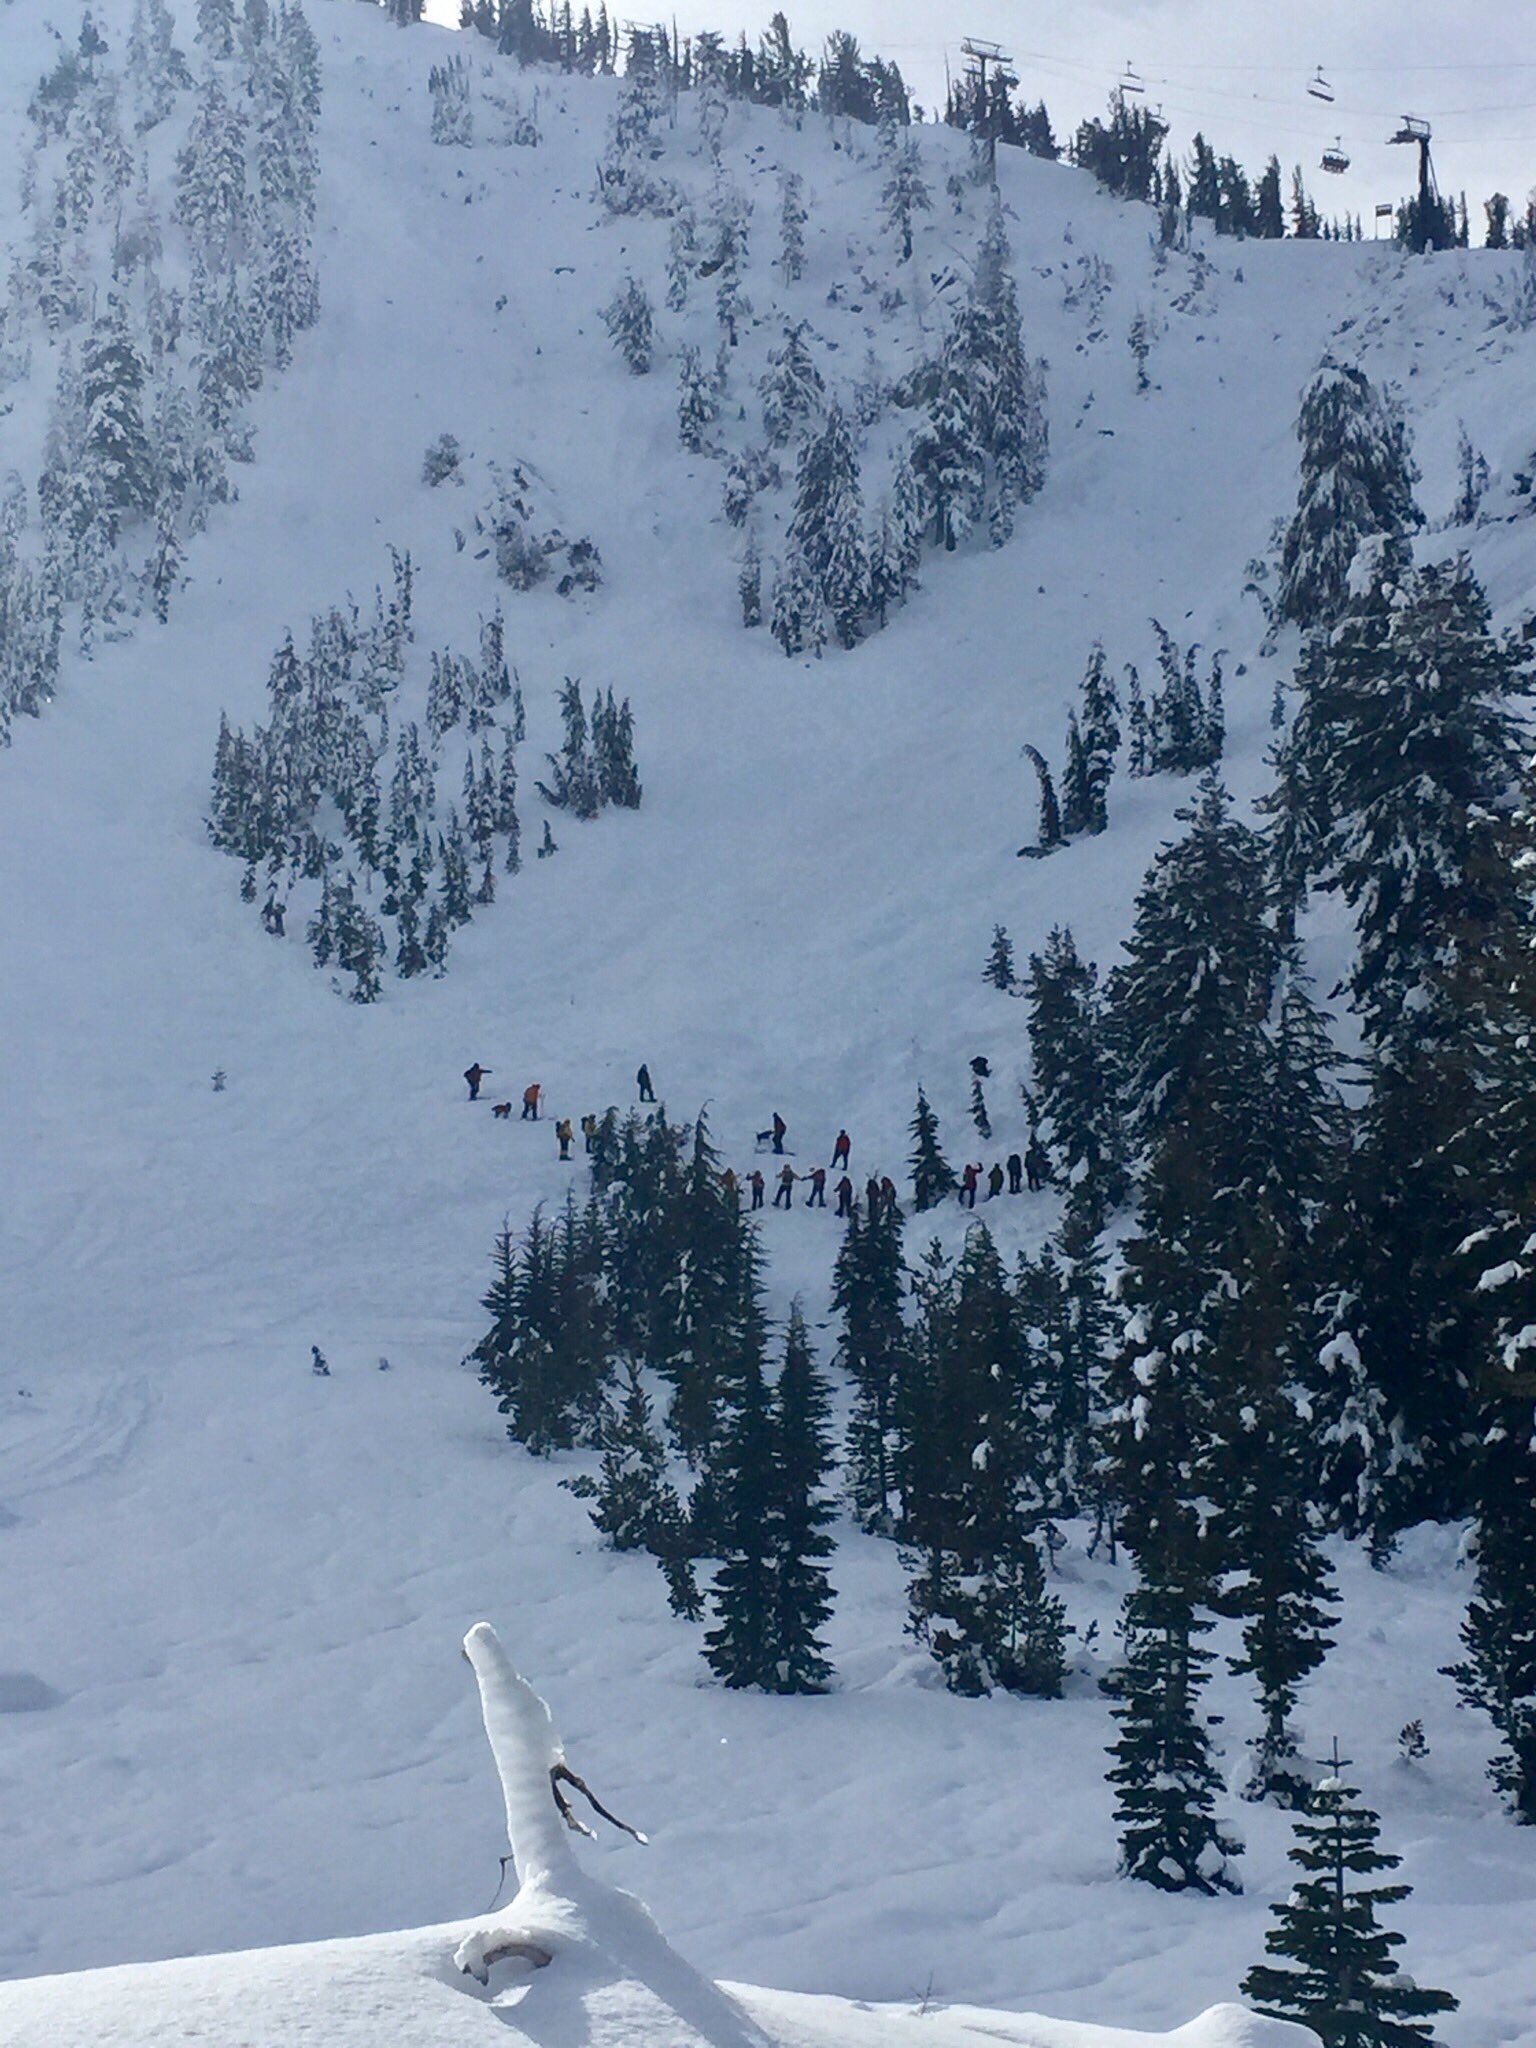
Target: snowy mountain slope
point(233, 1582)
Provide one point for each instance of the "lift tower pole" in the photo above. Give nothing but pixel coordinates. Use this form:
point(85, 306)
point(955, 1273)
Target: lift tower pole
point(1427, 228)
point(978, 56)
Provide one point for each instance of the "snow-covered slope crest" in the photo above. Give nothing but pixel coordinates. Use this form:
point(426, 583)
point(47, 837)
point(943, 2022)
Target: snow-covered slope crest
point(590, 1966)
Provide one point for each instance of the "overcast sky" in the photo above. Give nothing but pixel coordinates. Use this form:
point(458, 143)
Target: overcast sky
point(1235, 70)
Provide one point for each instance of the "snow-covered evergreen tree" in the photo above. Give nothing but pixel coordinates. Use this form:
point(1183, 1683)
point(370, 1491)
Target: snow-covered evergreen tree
point(1357, 478)
point(932, 1175)
point(1337, 1973)
point(631, 326)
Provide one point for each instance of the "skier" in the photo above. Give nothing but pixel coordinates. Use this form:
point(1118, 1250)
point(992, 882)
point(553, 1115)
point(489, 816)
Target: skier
point(1015, 1174)
point(968, 1181)
point(1037, 1165)
point(531, 1096)
point(474, 1076)
point(779, 1129)
point(755, 1183)
point(588, 1131)
point(817, 1198)
point(787, 1178)
point(994, 1181)
point(841, 1150)
point(563, 1133)
point(643, 1083)
point(731, 1187)
point(845, 1196)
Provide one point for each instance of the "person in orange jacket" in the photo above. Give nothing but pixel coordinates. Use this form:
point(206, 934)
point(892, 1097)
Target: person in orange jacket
point(531, 1096)
point(841, 1150)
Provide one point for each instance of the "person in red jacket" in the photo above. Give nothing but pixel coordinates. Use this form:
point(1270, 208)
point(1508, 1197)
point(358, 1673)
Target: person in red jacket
point(968, 1181)
point(841, 1150)
point(817, 1198)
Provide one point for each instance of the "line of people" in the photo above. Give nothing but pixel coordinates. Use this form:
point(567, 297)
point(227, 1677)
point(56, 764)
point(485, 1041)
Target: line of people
point(1031, 1168)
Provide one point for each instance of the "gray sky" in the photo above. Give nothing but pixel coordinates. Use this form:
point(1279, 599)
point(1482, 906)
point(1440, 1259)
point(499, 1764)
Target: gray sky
point(1236, 71)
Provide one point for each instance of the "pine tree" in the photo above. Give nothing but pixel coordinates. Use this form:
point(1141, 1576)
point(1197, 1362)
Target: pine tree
point(635, 1504)
point(949, 459)
point(826, 530)
point(1100, 729)
point(1162, 1773)
point(742, 1647)
point(979, 1116)
point(792, 390)
point(998, 972)
point(868, 1284)
point(905, 193)
point(932, 1175)
point(801, 1513)
point(792, 220)
point(1339, 1977)
point(976, 1491)
point(631, 326)
point(114, 446)
point(698, 405)
point(749, 582)
point(1077, 1084)
point(1357, 478)
point(1052, 833)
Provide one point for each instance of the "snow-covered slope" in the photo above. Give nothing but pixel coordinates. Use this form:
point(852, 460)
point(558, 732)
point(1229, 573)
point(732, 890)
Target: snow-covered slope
point(230, 1586)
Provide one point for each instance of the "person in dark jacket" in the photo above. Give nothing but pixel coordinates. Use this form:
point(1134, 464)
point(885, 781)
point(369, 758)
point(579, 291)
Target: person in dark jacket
point(643, 1083)
point(787, 1177)
point(872, 1199)
point(755, 1183)
point(1037, 1165)
point(994, 1181)
point(779, 1130)
point(474, 1076)
point(1015, 1174)
point(888, 1195)
point(844, 1192)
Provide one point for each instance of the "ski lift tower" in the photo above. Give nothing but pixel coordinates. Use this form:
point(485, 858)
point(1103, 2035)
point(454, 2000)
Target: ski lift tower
point(978, 55)
point(1426, 226)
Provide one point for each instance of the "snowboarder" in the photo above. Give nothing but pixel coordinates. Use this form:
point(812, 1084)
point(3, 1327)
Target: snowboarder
point(841, 1150)
point(643, 1083)
point(845, 1196)
point(564, 1133)
point(994, 1181)
point(474, 1076)
point(755, 1183)
point(968, 1181)
point(787, 1178)
point(531, 1096)
point(779, 1129)
point(817, 1198)
point(588, 1131)
point(1037, 1165)
point(1015, 1174)
point(731, 1187)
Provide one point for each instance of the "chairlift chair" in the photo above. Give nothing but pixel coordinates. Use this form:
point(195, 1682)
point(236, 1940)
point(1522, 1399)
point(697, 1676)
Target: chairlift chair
point(1335, 158)
point(1129, 82)
point(1320, 89)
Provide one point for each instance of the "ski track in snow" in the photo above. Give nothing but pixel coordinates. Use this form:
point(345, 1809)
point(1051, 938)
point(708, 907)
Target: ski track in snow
point(243, 1587)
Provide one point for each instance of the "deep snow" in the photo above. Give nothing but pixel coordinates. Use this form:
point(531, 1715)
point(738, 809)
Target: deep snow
point(234, 1715)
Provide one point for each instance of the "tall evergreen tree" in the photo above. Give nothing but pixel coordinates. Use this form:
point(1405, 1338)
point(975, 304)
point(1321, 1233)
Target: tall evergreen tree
point(1076, 1082)
point(1338, 1976)
point(801, 1514)
point(868, 1284)
point(1162, 1774)
point(932, 1175)
point(1357, 478)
